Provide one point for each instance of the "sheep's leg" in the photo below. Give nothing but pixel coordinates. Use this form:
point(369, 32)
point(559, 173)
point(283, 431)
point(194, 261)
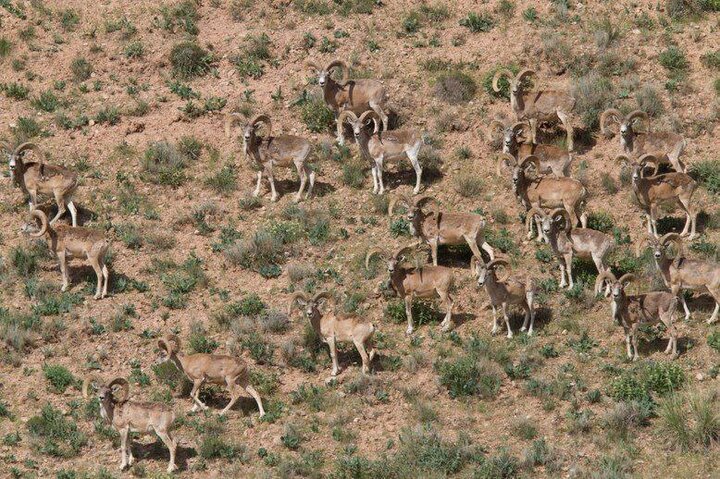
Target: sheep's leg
point(379, 166)
point(667, 319)
point(627, 345)
point(106, 278)
point(33, 199)
point(600, 269)
point(530, 298)
point(234, 394)
point(507, 321)
point(563, 283)
point(251, 391)
point(649, 224)
point(568, 266)
point(653, 218)
point(568, 128)
point(363, 355)
point(333, 355)
point(123, 447)
point(63, 270)
point(271, 179)
point(715, 293)
point(98, 272)
point(258, 185)
point(413, 156)
point(434, 250)
point(303, 180)
point(533, 130)
point(73, 212)
point(195, 395)
point(675, 290)
point(408, 313)
point(381, 114)
point(489, 250)
point(61, 206)
point(634, 340)
point(541, 234)
point(171, 444)
point(448, 303)
point(311, 175)
point(495, 321)
point(340, 136)
point(376, 184)
point(472, 243)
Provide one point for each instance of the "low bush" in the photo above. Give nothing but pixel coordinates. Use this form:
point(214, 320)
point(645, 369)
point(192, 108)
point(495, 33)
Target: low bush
point(58, 377)
point(469, 375)
point(455, 87)
point(55, 435)
point(189, 60)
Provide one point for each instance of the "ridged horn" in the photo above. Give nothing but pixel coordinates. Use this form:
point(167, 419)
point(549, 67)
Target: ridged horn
point(648, 158)
point(531, 159)
point(370, 254)
point(87, 382)
point(605, 275)
point(504, 159)
point(124, 387)
point(323, 294)
point(229, 118)
point(524, 73)
point(371, 114)
point(293, 300)
point(169, 343)
point(422, 201)
point(345, 114)
point(495, 126)
point(610, 113)
point(565, 215)
point(40, 215)
point(401, 251)
point(676, 239)
point(626, 278)
point(262, 118)
point(530, 216)
point(637, 114)
point(503, 72)
point(344, 68)
point(399, 199)
point(624, 158)
point(492, 265)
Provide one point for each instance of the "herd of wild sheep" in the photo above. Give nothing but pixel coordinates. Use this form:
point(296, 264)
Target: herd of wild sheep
point(542, 184)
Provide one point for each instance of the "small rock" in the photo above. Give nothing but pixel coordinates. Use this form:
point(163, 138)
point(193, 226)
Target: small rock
point(699, 376)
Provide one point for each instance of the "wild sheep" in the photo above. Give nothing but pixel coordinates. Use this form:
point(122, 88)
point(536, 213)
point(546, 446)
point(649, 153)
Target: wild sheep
point(553, 159)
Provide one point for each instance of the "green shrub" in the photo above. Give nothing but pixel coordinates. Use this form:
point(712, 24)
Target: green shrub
point(455, 87)
point(641, 382)
point(317, 116)
point(711, 59)
point(707, 172)
point(469, 375)
point(690, 421)
point(69, 19)
point(81, 69)
point(59, 377)
point(714, 341)
point(163, 164)
point(182, 16)
point(16, 91)
point(259, 348)
point(469, 186)
point(189, 60)
point(353, 173)
point(478, 23)
point(5, 47)
point(47, 101)
point(648, 100)
point(134, 50)
point(108, 115)
point(224, 181)
point(214, 447)
point(601, 221)
point(594, 94)
point(400, 227)
point(56, 436)
point(674, 60)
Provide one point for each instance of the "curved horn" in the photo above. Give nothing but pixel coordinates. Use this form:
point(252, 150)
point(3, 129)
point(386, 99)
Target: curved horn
point(293, 300)
point(565, 215)
point(524, 73)
point(6, 146)
point(495, 126)
point(28, 145)
point(530, 215)
point(345, 114)
point(323, 294)
point(610, 113)
point(676, 239)
point(517, 126)
point(649, 158)
point(39, 214)
point(345, 70)
point(401, 251)
point(169, 343)
point(262, 118)
point(505, 159)
point(87, 382)
point(532, 159)
point(637, 114)
point(607, 274)
point(625, 158)
point(398, 199)
point(312, 65)
point(370, 254)
point(626, 278)
point(371, 114)
point(499, 262)
point(229, 118)
point(503, 72)
point(422, 201)
point(124, 387)
point(473, 263)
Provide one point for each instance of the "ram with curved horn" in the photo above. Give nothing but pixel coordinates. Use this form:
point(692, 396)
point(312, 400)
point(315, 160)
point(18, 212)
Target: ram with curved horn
point(538, 106)
point(666, 147)
point(334, 327)
point(537, 191)
point(437, 228)
point(410, 282)
point(566, 242)
point(553, 159)
point(381, 146)
point(506, 290)
point(67, 242)
point(217, 369)
point(652, 191)
point(127, 416)
point(681, 273)
point(274, 151)
point(356, 96)
point(40, 178)
point(633, 311)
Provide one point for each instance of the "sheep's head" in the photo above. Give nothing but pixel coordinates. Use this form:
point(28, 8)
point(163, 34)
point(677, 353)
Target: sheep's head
point(117, 390)
point(617, 286)
point(16, 156)
point(311, 306)
point(359, 124)
point(521, 169)
point(661, 246)
point(32, 228)
point(484, 271)
point(517, 85)
point(324, 74)
point(250, 130)
point(511, 134)
point(168, 345)
point(626, 124)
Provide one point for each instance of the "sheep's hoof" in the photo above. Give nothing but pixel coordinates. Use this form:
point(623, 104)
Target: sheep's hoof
point(298, 199)
point(416, 191)
point(172, 468)
point(97, 296)
point(709, 321)
point(510, 335)
point(530, 332)
point(523, 328)
point(273, 199)
point(409, 331)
